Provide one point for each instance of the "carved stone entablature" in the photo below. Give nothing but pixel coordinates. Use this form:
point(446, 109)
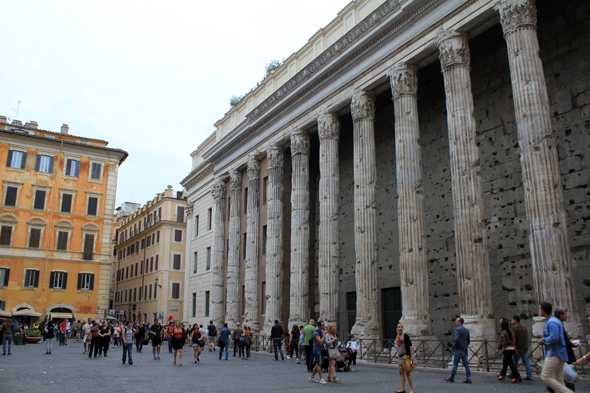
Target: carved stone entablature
point(188, 210)
point(235, 180)
point(363, 105)
point(404, 80)
point(453, 49)
point(329, 126)
point(517, 14)
point(299, 142)
point(253, 168)
point(275, 157)
point(218, 189)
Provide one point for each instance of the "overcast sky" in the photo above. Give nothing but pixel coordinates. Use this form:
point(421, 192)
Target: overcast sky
point(149, 77)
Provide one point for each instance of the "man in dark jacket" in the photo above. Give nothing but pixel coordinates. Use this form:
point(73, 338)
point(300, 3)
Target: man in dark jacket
point(522, 344)
point(276, 335)
point(461, 342)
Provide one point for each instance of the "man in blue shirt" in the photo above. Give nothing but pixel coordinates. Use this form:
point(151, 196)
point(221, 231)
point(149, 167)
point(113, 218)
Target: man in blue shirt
point(555, 350)
point(461, 342)
point(224, 341)
point(318, 343)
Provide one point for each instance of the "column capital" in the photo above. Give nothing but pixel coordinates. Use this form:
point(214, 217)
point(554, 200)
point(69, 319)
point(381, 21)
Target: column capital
point(253, 168)
point(218, 189)
point(235, 180)
point(328, 126)
point(188, 210)
point(275, 156)
point(517, 14)
point(363, 105)
point(299, 142)
point(404, 80)
point(453, 49)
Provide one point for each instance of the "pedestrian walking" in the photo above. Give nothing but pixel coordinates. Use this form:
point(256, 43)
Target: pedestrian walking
point(585, 358)
point(196, 342)
point(507, 346)
point(140, 336)
point(156, 333)
point(211, 336)
point(127, 339)
point(236, 336)
point(179, 338)
point(352, 348)
point(68, 329)
point(116, 334)
point(169, 335)
point(522, 343)
point(561, 314)
point(555, 350)
point(308, 344)
point(318, 344)
point(96, 339)
point(224, 334)
point(6, 336)
point(246, 343)
point(105, 338)
point(331, 343)
point(276, 335)
point(86, 329)
point(49, 334)
point(403, 345)
point(461, 343)
point(295, 333)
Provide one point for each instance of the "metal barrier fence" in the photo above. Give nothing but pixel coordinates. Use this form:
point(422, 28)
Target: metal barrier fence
point(438, 354)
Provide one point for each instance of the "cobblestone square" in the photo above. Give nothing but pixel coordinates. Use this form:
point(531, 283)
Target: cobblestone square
point(28, 369)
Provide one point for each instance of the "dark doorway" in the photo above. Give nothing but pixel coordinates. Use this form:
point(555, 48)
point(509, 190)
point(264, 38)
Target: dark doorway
point(391, 300)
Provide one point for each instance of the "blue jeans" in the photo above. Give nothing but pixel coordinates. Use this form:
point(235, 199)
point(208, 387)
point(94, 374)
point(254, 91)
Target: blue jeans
point(277, 343)
point(523, 353)
point(127, 348)
point(6, 338)
point(464, 358)
point(169, 344)
point(222, 345)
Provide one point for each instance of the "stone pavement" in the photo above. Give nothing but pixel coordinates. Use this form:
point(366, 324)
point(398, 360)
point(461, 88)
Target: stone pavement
point(67, 370)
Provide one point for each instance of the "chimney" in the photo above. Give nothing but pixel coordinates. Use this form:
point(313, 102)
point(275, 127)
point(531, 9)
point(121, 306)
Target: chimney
point(65, 129)
point(17, 123)
point(32, 124)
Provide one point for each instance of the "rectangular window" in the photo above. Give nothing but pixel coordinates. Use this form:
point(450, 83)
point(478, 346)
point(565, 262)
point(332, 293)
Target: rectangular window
point(350, 309)
point(151, 292)
point(92, 206)
point(58, 280)
point(127, 273)
point(140, 288)
point(207, 300)
point(208, 258)
point(179, 214)
point(66, 203)
point(244, 247)
point(62, 241)
point(194, 313)
point(196, 226)
point(149, 241)
point(39, 200)
point(86, 281)
point(159, 214)
point(31, 278)
point(195, 262)
point(16, 159)
point(139, 225)
point(4, 276)
point(156, 262)
point(175, 290)
point(35, 238)
point(133, 248)
point(3, 305)
point(134, 294)
point(176, 265)
point(72, 168)
point(145, 292)
point(151, 265)
point(5, 235)
point(158, 237)
point(44, 164)
point(142, 244)
point(209, 218)
point(141, 268)
point(11, 193)
point(246, 200)
point(125, 296)
point(95, 170)
point(155, 290)
point(136, 269)
point(88, 247)
point(153, 238)
point(264, 239)
point(265, 190)
point(177, 235)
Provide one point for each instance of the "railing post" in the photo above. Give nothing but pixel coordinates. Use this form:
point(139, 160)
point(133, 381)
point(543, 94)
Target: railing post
point(485, 342)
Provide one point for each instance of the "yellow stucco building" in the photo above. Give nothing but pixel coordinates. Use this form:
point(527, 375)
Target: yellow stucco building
point(56, 217)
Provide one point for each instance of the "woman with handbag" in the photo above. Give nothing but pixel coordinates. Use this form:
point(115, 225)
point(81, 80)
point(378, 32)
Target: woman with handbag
point(196, 338)
point(331, 341)
point(405, 354)
point(507, 341)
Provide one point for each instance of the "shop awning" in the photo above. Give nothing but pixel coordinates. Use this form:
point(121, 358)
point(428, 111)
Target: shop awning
point(61, 315)
point(26, 312)
point(5, 314)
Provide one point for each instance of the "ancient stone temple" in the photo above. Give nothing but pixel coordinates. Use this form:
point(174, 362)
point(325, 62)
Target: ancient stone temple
point(417, 160)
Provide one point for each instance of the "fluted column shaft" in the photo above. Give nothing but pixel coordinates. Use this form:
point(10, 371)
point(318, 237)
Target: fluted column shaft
point(329, 252)
point(274, 244)
point(411, 221)
point(251, 279)
point(365, 216)
point(217, 309)
point(299, 299)
point(473, 280)
point(232, 312)
point(549, 245)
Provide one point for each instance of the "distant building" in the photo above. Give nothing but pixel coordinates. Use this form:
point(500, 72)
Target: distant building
point(56, 216)
point(150, 259)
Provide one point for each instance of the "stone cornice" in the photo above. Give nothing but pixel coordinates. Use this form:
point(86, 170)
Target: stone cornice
point(197, 175)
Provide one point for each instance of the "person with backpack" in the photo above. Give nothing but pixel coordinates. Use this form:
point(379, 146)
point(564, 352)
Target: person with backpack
point(224, 334)
point(127, 339)
point(211, 335)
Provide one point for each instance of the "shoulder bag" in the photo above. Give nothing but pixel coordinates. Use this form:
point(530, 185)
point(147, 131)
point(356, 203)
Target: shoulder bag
point(409, 364)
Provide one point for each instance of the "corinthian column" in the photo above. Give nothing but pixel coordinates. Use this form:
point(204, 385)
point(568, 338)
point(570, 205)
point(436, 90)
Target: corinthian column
point(217, 311)
point(299, 301)
point(410, 204)
point(274, 243)
point(329, 254)
point(232, 312)
point(473, 272)
point(251, 280)
point(550, 251)
point(365, 217)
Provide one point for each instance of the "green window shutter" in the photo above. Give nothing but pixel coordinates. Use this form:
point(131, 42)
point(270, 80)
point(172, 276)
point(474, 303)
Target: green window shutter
point(9, 159)
point(36, 283)
point(6, 276)
point(92, 282)
point(51, 278)
point(37, 162)
point(65, 280)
